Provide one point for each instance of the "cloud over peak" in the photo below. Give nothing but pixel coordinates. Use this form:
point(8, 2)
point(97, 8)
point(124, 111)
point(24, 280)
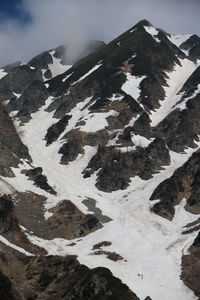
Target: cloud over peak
point(55, 22)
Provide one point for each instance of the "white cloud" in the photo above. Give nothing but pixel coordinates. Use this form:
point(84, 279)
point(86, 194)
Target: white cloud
point(56, 22)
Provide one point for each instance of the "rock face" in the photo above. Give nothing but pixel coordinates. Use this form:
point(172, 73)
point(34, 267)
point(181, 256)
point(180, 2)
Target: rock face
point(191, 266)
point(7, 222)
point(6, 291)
point(17, 81)
point(12, 148)
point(184, 183)
point(117, 167)
point(74, 282)
point(61, 277)
point(31, 100)
point(39, 179)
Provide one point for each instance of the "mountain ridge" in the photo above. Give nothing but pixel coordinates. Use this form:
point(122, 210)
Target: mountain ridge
point(107, 168)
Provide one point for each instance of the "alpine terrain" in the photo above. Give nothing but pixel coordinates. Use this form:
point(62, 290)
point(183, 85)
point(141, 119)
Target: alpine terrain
point(100, 171)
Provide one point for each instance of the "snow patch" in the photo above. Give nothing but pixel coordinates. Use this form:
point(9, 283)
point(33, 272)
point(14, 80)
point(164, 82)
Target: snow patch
point(96, 121)
point(175, 82)
point(153, 32)
point(57, 67)
point(132, 85)
point(2, 73)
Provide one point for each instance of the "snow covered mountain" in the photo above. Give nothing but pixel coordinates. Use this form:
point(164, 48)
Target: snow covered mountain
point(100, 171)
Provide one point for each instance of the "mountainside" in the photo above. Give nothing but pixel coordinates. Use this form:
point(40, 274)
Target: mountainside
point(100, 171)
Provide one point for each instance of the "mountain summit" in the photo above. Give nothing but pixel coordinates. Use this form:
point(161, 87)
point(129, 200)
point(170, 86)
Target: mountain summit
point(100, 169)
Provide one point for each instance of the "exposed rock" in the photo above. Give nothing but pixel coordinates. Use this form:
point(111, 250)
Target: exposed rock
point(41, 61)
point(6, 290)
point(70, 151)
point(91, 205)
point(39, 179)
point(10, 67)
point(18, 80)
point(110, 255)
point(101, 244)
point(184, 125)
point(11, 147)
point(191, 267)
point(9, 226)
point(67, 221)
point(193, 46)
point(116, 168)
point(30, 101)
point(184, 183)
point(56, 129)
point(64, 278)
point(7, 218)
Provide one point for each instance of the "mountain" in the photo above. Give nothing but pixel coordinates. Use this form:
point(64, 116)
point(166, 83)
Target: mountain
point(100, 170)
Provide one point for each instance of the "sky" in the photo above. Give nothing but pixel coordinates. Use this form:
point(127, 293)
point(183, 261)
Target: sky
point(28, 27)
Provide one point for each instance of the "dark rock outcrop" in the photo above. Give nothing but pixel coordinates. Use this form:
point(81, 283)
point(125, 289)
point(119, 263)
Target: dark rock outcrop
point(39, 179)
point(56, 129)
point(30, 101)
point(7, 218)
point(117, 167)
point(191, 267)
point(184, 183)
point(50, 277)
point(18, 80)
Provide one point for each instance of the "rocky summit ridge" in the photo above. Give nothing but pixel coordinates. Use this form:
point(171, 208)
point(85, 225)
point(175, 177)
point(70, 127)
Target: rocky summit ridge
point(100, 171)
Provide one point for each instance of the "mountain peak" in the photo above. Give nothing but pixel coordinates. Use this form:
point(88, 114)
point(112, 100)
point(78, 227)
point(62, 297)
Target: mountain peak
point(143, 23)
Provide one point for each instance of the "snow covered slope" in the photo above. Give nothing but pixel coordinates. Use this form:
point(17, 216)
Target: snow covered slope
point(107, 164)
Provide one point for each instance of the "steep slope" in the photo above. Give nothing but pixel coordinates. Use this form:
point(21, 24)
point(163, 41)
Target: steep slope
point(113, 165)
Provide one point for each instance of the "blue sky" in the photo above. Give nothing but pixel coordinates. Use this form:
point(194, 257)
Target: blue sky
point(28, 27)
point(13, 9)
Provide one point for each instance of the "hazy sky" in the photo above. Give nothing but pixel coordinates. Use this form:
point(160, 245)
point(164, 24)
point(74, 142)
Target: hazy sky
point(28, 27)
